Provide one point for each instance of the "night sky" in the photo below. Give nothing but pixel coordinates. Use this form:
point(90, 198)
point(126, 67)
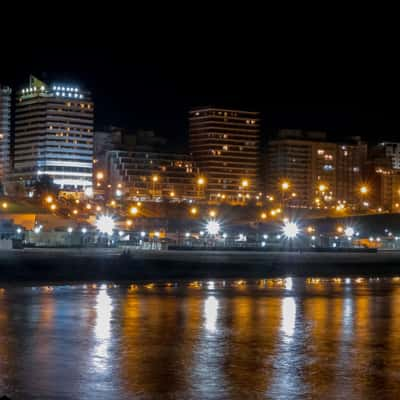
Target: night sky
point(153, 86)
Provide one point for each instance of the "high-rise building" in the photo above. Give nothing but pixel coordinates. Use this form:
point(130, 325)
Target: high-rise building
point(5, 120)
point(225, 145)
point(383, 178)
point(350, 164)
point(139, 166)
point(149, 175)
point(319, 172)
point(388, 150)
point(54, 135)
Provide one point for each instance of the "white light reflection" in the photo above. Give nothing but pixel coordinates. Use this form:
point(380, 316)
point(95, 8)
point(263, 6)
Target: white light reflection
point(102, 328)
point(211, 285)
point(211, 314)
point(288, 283)
point(288, 317)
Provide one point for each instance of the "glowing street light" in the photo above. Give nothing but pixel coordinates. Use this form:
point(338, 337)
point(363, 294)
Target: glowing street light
point(53, 207)
point(263, 215)
point(363, 189)
point(105, 224)
point(100, 176)
point(349, 231)
point(322, 187)
point(212, 213)
point(98, 208)
point(193, 211)
point(245, 183)
point(129, 222)
point(155, 178)
point(75, 211)
point(172, 194)
point(133, 210)
point(69, 230)
point(201, 181)
point(5, 205)
point(49, 199)
point(290, 230)
point(213, 227)
point(285, 185)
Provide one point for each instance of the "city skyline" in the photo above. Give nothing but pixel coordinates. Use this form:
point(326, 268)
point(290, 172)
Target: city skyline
point(155, 93)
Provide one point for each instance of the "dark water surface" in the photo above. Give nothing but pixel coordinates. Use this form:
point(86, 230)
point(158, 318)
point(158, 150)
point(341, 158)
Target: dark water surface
point(274, 339)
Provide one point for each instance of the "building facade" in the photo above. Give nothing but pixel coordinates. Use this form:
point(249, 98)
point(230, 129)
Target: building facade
point(5, 132)
point(225, 145)
point(389, 150)
point(383, 178)
point(54, 135)
point(146, 175)
point(320, 173)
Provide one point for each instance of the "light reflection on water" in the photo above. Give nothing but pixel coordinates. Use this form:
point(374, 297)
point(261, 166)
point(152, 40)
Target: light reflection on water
point(283, 338)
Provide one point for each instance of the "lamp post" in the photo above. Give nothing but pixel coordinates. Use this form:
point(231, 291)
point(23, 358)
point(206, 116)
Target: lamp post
point(154, 180)
point(363, 194)
point(200, 186)
point(284, 186)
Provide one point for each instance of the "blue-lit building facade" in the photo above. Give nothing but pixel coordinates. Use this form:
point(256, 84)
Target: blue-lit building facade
point(54, 135)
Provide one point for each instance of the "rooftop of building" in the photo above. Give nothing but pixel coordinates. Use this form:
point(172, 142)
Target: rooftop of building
point(221, 109)
point(36, 87)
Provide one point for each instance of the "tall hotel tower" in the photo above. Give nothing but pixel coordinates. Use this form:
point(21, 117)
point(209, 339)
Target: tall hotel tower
point(5, 118)
point(54, 135)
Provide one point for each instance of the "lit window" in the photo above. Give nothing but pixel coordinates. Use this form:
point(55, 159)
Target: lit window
point(225, 147)
point(320, 152)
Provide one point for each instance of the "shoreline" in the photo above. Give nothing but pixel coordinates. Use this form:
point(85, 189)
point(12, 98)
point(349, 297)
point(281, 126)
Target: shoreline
point(95, 265)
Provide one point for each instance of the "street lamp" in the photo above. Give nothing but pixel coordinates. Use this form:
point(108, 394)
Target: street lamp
point(100, 175)
point(154, 180)
point(290, 230)
point(213, 227)
point(349, 231)
point(322, 188)
point(193, 210)
point(105, 224)
point(200, 184)
point(133, 211)
point(285, 185)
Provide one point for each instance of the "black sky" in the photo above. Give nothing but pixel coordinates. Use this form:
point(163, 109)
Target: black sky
point(153, 84)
